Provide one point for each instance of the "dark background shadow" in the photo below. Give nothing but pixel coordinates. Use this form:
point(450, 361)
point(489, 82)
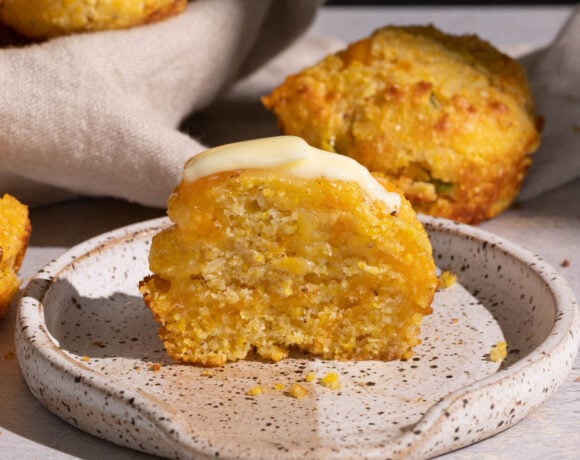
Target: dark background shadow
point(69, 223)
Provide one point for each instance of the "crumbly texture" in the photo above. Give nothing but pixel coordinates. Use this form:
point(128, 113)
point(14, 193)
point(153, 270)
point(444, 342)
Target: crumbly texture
point(330, 380)
point(448, 118)
point(310, 377)
point(447, 279)
point(259, 261)
point(50, 18)
point(255, 391)
point(14, 234)
point(498, 352)
point(297, 391)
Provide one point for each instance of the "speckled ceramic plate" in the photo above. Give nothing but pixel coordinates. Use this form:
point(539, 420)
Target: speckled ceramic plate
point(89, 352)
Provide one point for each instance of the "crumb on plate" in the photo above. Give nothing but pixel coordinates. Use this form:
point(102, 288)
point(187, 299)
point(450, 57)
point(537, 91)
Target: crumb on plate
point(498, 352)
point(255, 391)
point(330, 380)
point(446, 279)
point(310, 377)
point(297, 391)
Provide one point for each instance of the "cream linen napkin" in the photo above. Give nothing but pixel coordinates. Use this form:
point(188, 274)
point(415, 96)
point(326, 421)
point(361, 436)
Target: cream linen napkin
point(97, 113)
point(554, 74)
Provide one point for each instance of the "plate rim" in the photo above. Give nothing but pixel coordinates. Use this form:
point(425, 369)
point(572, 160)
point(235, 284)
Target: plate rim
point(567, 325)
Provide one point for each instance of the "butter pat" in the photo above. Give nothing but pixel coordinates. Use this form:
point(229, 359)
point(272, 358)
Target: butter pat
point(290, 155)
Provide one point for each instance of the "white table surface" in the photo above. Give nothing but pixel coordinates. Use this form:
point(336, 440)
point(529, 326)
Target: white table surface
point(548, 225)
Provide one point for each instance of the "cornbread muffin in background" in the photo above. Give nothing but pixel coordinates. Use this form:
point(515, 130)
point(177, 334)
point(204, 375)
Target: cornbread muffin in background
point(14, 234)
point(448, 118)
point(51, 18)
point(278, 246)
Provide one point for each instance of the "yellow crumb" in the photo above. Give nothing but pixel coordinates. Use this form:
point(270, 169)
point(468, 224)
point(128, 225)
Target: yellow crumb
point(86, 359)
point(578, 379)
point(447, 279)
point(498, 352)
point(207, 373)
point(330, 380)
point(255, 391)
point(298, 391)
point(155, 367)
point(310, 377)
point(279, 386)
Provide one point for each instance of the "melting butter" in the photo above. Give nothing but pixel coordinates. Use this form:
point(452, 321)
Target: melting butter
point(291, 155)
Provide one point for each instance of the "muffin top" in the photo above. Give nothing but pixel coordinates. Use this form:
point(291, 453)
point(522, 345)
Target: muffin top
point(290, 155)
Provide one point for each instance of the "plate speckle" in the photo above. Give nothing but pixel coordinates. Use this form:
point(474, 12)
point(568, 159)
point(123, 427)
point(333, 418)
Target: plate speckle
point(89, 351)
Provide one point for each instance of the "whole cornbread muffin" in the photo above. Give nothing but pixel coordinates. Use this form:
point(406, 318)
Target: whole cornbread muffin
point(448, 118)
point(50, 18)
point(275, 246)
point(14, 234)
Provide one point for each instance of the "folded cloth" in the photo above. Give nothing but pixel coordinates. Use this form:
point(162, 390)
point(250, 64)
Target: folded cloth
point(97, 113)
point(554, 74)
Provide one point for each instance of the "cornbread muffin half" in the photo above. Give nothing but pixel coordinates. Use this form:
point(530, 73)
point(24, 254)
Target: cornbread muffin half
point(448, 118)
point(50, 18)
point(277, 245)
point(14, 234)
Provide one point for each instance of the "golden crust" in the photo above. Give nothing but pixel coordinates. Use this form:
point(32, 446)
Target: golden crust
point(267, 263)
point(48, 18)
point(14, 233)
point(448, 118)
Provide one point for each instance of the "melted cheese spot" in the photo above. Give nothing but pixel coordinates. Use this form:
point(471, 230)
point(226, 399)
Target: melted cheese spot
point(290, 155)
